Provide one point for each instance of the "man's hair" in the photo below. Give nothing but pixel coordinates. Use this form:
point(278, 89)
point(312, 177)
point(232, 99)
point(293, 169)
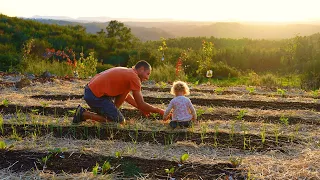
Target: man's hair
point(142, 63)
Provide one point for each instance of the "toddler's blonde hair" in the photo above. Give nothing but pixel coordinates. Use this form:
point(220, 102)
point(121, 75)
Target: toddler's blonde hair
point(179, 86)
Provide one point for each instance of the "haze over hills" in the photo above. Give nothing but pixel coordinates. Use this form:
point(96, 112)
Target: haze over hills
point(154, 29)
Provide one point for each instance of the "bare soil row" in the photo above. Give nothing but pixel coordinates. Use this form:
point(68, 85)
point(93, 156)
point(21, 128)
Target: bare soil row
point(135, 114)
point(65, 162)
point(212, 102)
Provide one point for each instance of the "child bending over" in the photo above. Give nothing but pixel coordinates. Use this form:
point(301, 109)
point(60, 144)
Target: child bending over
point(183, 110)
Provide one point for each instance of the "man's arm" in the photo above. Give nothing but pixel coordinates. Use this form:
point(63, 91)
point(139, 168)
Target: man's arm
point(131, 101)
point(143, 106)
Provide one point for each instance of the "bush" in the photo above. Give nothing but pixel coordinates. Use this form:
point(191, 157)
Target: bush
point(222, 70)
point(103, 67)
point(38, 66)
point(269, 80)
point(166, 73)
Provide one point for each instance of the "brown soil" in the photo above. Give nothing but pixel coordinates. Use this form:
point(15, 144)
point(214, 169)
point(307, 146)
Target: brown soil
point(21, 161)
point(217, 139)
point(212, 102)
point(132, 113)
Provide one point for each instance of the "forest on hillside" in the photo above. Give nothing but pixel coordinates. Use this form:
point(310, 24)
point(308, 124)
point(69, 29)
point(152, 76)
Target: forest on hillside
point(22, 39)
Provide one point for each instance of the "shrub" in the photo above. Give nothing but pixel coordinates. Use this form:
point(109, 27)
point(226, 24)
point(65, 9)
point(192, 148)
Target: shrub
point(269, 80)
point(166, 73)
point(222, 70)
point(103, 67)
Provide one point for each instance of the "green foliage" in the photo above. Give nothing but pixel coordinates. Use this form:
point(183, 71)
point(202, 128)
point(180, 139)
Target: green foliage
point(184, 158)
point(235, 161)
point(281, 92)
point(284, 120)
point(118, 154)
point(5, 102)
point(165, 73)
point(222, 70)
point(269, 80)
point(250, 89)
point(3, 145)
point(103, 67)
point(170, 171)
point(95, 169)
point(87, 66)
point(105, 167)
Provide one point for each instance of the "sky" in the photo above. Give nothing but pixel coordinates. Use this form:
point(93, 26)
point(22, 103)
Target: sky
point(195, 10)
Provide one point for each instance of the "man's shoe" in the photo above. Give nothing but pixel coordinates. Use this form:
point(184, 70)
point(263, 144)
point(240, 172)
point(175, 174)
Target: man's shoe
point(77, 118)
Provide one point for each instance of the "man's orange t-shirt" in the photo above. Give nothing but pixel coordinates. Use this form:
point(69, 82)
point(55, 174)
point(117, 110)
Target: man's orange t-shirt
point(115, 81)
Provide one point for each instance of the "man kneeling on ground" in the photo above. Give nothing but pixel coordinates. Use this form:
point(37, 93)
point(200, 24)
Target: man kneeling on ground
point(107, 91)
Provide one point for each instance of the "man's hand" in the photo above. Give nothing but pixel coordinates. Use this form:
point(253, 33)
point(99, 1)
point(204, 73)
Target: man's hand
point(146, 114)
point(161, 112)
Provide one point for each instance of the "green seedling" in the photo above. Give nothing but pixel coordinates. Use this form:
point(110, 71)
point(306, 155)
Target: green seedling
point(95, 169)
point(169, 171)
point(315, 93)
point(105, 167)
point(199, 112)
point(72, 112)
point(250, 89)
point(235, 161)
point(184, 158)
point(281, 92)
point(118, 154)
point(34, 111)
point(3, 145)
point(284, 120)
point(5, 102)
point(241, 114)
point(219, 90)
point(1, 124)
point(263, 134)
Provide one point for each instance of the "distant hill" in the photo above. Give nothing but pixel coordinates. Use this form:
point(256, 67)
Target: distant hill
point(171, 29)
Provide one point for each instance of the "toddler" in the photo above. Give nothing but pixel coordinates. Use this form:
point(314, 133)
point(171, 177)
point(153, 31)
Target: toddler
point(183, 110)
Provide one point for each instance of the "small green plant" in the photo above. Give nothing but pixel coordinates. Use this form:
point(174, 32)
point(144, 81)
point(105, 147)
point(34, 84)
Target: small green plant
point(204, 129)
point(72, 112)
point(3, 145)
point(184, 158)
point(95, 169)
point(232, 130)
point(241, 114)
point(250, 89)
point(170, 171)
point(284, 120)
point(34, 111)
point(105, 167)
point(235, 161)
point(1, 124)
point(199, 112)
point(5, 102)
point(276, 133)
point(118, 154)
point(315, 93)
point(263, 133)
point(281, 92)
point(219, 90)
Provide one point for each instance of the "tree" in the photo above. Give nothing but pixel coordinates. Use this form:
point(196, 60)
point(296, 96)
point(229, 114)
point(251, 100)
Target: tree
point(120, 34)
